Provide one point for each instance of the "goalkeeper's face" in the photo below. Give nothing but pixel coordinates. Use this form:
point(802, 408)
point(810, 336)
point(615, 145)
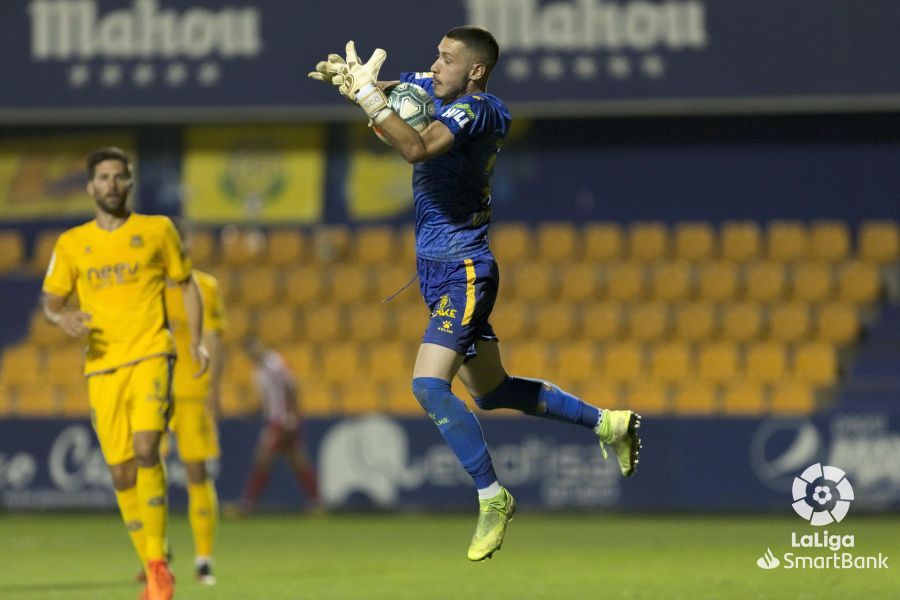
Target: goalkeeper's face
point(452, 70)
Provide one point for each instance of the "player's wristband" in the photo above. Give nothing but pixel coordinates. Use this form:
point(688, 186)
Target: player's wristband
point(372, 100)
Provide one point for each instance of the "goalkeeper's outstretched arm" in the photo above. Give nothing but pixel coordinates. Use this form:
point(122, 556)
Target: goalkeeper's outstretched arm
point(412, 145)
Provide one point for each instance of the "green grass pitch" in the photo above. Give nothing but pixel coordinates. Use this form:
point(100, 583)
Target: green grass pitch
point(423, 556)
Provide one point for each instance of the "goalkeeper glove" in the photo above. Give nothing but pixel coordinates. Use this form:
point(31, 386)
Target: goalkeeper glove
point(359, 82)
point(330, 71)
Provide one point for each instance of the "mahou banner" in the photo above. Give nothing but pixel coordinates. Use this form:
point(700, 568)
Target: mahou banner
point(204, 60)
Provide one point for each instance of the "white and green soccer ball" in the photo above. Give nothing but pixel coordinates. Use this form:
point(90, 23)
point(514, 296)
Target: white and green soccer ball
point(413, 104)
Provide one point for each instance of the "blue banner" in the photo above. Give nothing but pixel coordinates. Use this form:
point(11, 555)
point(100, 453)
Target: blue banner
point(376, 461)
point(134, 60)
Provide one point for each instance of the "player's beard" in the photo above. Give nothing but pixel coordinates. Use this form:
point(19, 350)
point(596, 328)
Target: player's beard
point(113, 204)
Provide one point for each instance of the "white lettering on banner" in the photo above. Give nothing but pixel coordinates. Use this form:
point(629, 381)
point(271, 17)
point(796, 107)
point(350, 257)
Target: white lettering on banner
point(73, 30)
point(75, 463)
point(17, 471)
point(588, 25)
point(870, 451)
point(370, 455)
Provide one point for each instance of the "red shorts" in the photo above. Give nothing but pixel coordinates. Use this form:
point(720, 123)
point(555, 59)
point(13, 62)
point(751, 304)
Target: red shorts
point(278, 439)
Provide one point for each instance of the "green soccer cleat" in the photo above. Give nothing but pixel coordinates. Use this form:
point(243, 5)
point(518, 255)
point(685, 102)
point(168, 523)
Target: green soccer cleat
point(619, 429)
point(493, 517)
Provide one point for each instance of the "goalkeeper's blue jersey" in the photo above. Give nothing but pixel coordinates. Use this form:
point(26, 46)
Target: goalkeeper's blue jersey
point(452, 192)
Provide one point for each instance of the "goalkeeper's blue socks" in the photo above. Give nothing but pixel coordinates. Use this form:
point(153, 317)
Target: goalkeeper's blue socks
point(459, 427)
point(540, 399)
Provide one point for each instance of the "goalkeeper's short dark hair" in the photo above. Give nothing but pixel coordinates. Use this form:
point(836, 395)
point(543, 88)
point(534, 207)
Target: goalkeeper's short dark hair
point(479, 40)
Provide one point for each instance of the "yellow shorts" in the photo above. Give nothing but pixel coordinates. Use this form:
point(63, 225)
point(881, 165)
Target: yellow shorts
point(195, 430)
point(132, 398)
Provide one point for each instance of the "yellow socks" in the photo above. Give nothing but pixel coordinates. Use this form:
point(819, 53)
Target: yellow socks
point(151, 492)
point(130, 507)
point(203, 511)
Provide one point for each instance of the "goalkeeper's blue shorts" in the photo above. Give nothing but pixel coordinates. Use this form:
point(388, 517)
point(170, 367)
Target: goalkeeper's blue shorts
point(460, 296)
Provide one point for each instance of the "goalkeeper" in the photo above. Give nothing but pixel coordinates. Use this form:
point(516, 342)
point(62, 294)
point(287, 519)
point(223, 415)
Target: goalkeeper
point(453, 161)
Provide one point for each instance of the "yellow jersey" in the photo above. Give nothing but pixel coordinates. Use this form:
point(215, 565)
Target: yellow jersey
point(185, 384)
point(120, 278)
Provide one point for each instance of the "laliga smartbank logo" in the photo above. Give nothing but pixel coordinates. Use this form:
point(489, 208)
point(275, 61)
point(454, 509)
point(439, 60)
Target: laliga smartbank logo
point(822, 495)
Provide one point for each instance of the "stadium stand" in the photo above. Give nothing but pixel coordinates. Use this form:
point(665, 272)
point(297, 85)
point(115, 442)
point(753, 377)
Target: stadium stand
point(690, 319)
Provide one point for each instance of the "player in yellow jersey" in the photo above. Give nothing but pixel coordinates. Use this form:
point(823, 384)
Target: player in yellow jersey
point(117, 264)
point(196, 405)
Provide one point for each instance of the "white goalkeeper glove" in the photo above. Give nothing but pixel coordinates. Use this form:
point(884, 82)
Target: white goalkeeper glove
point(330, 71)
point(358, 82)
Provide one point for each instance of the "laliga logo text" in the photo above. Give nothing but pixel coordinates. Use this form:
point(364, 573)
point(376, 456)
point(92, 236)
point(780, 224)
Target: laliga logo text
point(822, 495)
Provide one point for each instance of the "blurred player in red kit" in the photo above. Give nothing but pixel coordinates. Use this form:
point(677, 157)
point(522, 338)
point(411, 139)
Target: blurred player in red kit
point(277, 390)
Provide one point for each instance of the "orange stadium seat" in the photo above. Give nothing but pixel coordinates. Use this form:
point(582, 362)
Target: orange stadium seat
point(554, 321)
point(237, 400)
point(238, 325)
point(648, 241)
point(12, 250)
point(740, 240)
point(741, 321)
point(349, 283)
point(528, 280)
point(792, 398)
point(241, 248)
point(671, 281)
point(829, 241)
point(302, 359)
point(717, 280)
point(406, 241)
point(787, 240)
point(511, 242)
point(304, 285)
point(578, 282)
point(239, 370)
point(323, 322)
point(37, 400)
point(648, 397)
point(648, 321)
point(408, 321)
point(858, 282)
point(602, 321)
point(277, 324)
point(357, 396)
point(789, 321)
point(815, 363)
point(765, 362)
point(400, 400)
point(511, 320)
point(368, 321)
point(604, 393)
point(43, 333)
point(764, 281)
point(528, 359)
point(557, 241)
point(43, 248)
point(375, 244)
point(577, 362)
point(287, 247)
point(227, 278)
point(203, 249)
point(878, 242)
point(717, 361)
point(744, 399)
point(73, 400)
point(258, 286)
point(625, 281)
point(341, 360)
point(812, 281)
point(603, 241)
point(65, 365)
point(838, 323)
point(671, 362)
point(318, 398)
point(21, 365)
point(695, 398)
point(331, 243)
point(623, 361)
point(695, 241)
point(391, 362)
point(389, 279)
point(695, 321)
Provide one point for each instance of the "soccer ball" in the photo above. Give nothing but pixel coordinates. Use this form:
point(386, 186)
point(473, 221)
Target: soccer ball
point(413, 104)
